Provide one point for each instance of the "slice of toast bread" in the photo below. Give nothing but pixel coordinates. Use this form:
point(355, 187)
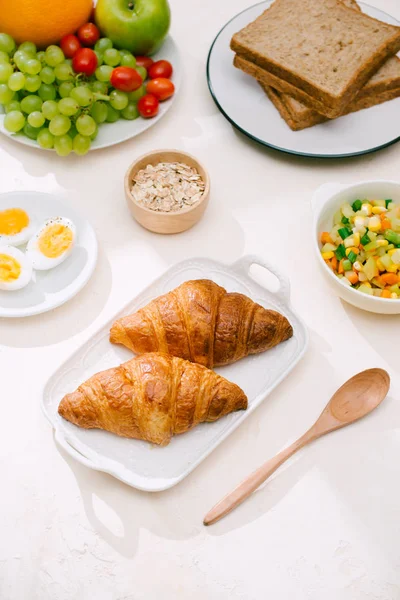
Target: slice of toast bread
point(322, 52)
point(298, 116)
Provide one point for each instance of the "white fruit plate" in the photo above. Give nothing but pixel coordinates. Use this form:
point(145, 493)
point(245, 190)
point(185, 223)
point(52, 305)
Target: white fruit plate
point(244, 103)
point(115, 133)
point(138, 463)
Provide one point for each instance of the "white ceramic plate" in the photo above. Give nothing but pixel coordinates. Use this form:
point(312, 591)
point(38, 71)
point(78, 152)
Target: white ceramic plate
point(152, 468)
point(51, 288)
point(114, 133)
point(243, 102)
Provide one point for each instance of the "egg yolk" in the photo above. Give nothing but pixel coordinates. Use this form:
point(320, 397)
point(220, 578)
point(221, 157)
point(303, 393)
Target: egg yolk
point(10, 269)
point(55, 240)
point(13, 221)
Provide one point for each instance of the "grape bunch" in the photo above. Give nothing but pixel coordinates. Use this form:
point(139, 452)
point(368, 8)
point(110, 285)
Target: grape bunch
point(60, 101)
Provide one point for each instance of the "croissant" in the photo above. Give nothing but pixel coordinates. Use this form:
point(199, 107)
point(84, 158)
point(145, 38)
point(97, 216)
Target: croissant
point(199, 321)
point(152, 397)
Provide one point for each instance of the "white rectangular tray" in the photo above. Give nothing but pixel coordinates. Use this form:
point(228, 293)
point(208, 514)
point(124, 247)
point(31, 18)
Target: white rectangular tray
point(138, 463)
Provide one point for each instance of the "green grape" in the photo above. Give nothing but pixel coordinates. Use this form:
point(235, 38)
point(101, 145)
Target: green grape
point(47, 92)
point(63, 145)
point(130, 112)
point(47, 75)
point(64, 72)
point(16, 81)
point(14, 121)
point(142, 72)
point(99, 112)
point(128, 60)
point(103, 44)
point(6, 95)
point(81, 144)
point(32, 83)
point(68, 61)
point(100, 57)
point(36, 119)
point(65, 89)
point(54, 56)
point(82, 95)
point(103, 73)
point(100, 87)
point(14, 105)
point(59, 125)
point(50, 109)
point(41, 55)
point(45, 139)
point(6, 71)
point(137, 94)
point(4, 58)
point(112, 114)
point(7, 44)
point(33, 66)
point(21, 59)
point(31, 132)
point(94, 134)
point(68, 107)
point(31, 103)
point(28, 47)
point(118, 100)
point(112, 57)
point(86, 125)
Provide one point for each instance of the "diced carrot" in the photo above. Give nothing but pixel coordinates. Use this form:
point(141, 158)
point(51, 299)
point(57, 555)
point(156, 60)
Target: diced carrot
point(340, 268)
point(385, 223)
point(334, 263)
point(379, 281)
point(390, 278)
point(326, 238)
point(385, 294)
point(352, 277)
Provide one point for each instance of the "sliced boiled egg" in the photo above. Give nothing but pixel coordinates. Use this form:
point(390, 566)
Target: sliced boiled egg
point(52, 244)
point(16, 227)
point(15, 269)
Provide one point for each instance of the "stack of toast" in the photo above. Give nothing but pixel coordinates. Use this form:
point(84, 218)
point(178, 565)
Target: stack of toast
point(320, 59)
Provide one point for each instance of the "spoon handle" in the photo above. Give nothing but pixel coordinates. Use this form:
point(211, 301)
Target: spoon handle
point(253, 481)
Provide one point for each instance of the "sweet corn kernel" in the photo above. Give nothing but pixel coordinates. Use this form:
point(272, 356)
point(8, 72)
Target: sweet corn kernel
point(380, 265)
point(327, 255)
point(356, 239)
point(352, 249)
point(381, 243)
point(395, 255)
point(391, 252)
point(374, 224)
point(359, 222)
point(357, 266)
point(367, 283)
point(366, 209)
point(393, 295)
point(393, 268)
point(378, 210)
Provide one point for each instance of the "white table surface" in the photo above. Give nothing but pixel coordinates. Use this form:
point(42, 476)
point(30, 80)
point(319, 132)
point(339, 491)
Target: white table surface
point(327, 525)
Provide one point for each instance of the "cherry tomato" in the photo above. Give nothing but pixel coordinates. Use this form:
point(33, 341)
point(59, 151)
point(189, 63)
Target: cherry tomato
point(161, 87)
point(126, 79)
point(148, 106)
point(161, 68)
point(88, 34)
point(144, 61)
point(84, 61)
point(69, 45)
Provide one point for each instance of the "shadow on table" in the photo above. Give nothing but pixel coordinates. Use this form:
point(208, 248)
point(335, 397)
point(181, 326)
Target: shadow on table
point(63, 322)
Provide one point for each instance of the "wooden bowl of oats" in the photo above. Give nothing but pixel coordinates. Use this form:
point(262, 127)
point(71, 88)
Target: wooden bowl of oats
point(167, 191)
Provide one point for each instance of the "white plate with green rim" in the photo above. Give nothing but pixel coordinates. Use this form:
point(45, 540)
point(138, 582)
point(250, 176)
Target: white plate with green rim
point(243, 102)
point(122, 130)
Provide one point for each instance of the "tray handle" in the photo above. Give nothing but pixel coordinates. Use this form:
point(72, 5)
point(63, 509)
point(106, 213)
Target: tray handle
point(244, 264)
point(61, 441)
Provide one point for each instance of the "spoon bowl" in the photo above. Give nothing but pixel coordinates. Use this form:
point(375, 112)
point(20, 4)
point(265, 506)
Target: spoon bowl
point(359, 396)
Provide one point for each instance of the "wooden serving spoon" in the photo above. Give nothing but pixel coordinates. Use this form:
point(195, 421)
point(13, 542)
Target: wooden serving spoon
point(355, 399)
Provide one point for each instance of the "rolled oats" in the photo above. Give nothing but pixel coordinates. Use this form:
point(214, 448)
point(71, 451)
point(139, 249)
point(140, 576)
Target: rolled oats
point(167, 187)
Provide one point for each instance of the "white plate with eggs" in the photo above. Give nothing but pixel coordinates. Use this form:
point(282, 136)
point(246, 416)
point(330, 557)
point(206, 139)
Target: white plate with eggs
point(48, 253)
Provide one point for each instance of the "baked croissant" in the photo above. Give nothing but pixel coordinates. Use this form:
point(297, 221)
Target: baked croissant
point(199, 321)
point(152, 397)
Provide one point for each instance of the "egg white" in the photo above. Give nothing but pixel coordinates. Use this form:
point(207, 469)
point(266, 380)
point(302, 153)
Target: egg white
point(26, 269)
point(18, 239)
point(38, 260)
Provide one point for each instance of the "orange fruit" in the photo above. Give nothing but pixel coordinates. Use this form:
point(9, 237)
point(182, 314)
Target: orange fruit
point(43, 22)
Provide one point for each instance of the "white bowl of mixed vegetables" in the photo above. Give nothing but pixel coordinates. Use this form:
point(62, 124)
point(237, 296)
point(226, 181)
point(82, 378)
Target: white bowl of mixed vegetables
point(357, 238)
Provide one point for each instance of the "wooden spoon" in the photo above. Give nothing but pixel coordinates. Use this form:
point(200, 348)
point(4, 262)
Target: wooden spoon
point(355, 399)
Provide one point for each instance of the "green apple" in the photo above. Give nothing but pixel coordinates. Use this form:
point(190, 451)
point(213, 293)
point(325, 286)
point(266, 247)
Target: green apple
point(136, 25)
